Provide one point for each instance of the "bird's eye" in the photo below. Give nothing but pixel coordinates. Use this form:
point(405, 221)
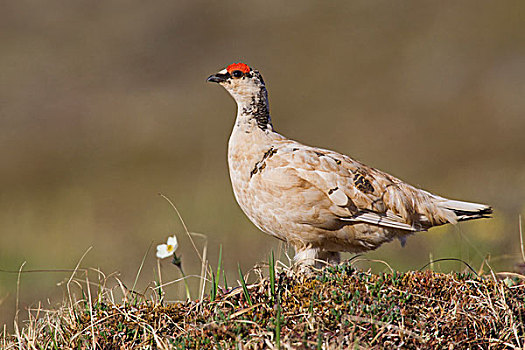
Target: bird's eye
point(237, 74)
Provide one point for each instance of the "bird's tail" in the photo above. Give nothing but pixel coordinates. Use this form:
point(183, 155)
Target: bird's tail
point(466, 210)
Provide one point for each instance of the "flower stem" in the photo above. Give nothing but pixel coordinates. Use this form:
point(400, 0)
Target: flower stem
point(177, 262)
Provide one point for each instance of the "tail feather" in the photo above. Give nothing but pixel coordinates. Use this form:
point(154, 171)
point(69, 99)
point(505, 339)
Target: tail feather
point(466, 210)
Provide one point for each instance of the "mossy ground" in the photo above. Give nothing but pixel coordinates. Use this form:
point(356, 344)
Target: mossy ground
point(337, 307)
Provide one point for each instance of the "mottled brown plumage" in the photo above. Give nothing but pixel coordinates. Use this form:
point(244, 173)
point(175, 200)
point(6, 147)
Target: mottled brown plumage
point(320, 201)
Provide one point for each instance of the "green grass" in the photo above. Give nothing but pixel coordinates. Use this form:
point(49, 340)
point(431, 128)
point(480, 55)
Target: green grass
point(337, 307)
point(244, 287)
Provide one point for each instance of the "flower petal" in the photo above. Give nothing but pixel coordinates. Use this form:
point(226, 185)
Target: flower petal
point(172, 240)
point(162, 251)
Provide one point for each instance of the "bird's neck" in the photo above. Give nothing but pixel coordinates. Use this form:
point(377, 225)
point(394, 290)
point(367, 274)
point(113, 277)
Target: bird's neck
point(253, 111)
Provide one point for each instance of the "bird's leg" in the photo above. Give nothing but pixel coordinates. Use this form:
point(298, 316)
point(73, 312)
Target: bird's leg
point(330, 258)
point(306, 256)
point(315, 257)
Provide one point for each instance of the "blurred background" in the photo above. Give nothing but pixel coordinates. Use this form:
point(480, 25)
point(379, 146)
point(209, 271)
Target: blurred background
point(103, 105)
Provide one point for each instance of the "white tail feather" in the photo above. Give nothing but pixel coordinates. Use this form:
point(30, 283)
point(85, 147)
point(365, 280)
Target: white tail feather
point(465, 210)
point(464, 206)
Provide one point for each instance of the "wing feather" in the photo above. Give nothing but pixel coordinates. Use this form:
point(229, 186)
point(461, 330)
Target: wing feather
point(367, 194)
point(381, 220)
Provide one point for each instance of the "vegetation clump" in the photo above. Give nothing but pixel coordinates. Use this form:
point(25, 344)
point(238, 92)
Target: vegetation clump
point(337, 307)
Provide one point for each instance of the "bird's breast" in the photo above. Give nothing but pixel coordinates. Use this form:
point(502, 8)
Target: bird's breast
point(249, 154)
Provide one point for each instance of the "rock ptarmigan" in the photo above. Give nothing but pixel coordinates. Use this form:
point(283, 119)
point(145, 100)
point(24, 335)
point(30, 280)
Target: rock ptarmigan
point(320, 201)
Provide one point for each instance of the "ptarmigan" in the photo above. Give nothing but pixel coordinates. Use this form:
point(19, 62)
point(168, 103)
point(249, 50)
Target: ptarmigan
point(318, 200)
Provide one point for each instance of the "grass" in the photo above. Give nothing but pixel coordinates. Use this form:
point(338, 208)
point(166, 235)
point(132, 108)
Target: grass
point(337, 307)
point(245, 291)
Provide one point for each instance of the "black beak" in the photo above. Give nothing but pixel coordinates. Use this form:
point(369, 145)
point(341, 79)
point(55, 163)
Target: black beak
point(218, 78)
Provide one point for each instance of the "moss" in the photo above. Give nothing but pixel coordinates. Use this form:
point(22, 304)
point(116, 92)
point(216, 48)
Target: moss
point(335, 308)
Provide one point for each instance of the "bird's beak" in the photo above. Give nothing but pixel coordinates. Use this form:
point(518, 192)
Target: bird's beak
point(218, 78)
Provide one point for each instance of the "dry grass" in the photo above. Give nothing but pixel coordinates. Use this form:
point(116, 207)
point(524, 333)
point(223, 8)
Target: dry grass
point(337, 307)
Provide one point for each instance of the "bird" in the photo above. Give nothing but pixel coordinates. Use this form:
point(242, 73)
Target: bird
point(319, 201)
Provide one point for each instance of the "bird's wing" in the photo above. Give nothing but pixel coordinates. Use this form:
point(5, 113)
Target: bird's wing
point(358, 193)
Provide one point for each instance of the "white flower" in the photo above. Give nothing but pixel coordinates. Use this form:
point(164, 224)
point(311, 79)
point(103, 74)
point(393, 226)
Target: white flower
point(167, 250)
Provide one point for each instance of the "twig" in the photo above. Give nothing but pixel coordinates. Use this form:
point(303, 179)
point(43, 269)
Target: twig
point(90, 302)
point(355, 258)
point(183, 225)
point(202, 284)
point(178, 280)
point(449, 259)
point(521, 240)
point(71, 278)
point(140, 267)
point(384, 324)
point(161, 291)
point(18, 306)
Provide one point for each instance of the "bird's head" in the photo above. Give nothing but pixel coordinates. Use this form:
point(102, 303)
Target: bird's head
point(240, 81)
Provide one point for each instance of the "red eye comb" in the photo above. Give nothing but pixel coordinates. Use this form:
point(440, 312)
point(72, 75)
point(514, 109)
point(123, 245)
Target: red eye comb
point(238, 66)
